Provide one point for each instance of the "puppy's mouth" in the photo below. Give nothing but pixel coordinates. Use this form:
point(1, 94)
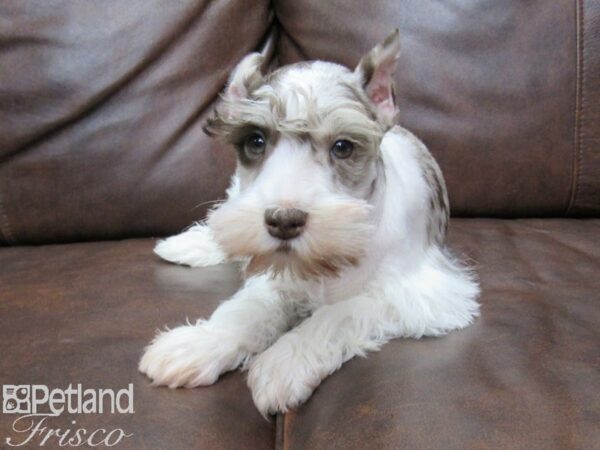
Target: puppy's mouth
point(319, 243)
point(284, 247)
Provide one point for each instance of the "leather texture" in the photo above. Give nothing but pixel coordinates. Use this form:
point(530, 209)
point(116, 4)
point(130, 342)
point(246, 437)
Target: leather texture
point(102, 103)
point(488, 86)
point(82, 313)
point(586, 175)
point(526, 375)
point(101, 113)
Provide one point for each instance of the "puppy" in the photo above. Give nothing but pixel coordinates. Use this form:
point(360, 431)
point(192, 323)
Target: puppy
point(339, 217)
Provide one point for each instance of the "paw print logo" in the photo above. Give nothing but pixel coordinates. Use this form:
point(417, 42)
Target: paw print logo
point(16, 399)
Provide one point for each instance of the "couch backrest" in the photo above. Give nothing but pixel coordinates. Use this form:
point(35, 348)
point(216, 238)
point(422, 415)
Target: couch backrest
point(102, 103)
point(506, 94)
point(101, 112)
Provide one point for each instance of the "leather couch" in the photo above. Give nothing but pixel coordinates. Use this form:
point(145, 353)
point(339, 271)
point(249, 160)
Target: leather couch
point(102, 151)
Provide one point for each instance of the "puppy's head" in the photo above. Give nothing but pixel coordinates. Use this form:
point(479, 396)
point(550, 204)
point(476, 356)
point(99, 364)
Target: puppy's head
point(307, 138)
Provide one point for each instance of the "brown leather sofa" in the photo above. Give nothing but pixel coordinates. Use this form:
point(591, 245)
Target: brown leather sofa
point(102, 150)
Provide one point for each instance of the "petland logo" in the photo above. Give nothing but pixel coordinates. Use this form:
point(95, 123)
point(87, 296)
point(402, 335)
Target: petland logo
point(37, 403)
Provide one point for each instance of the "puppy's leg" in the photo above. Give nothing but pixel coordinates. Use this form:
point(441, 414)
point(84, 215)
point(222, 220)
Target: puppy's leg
point(194, 355)
point(195, 247)
point(433, 300)
point(285, 375)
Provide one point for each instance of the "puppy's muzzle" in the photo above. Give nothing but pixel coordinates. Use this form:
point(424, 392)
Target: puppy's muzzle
point(285, 223)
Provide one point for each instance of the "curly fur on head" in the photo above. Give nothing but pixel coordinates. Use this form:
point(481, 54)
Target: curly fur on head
point(301, 111)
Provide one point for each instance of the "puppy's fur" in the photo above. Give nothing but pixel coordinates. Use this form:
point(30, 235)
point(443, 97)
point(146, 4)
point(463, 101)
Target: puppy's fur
point(369, 264)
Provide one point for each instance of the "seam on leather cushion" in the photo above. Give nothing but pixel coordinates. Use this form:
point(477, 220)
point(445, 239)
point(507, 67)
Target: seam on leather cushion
point(280, 432)
point(577, 129)
point(586, 195)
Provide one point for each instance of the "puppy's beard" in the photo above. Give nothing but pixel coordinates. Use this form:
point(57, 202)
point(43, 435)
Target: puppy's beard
point(335, 237)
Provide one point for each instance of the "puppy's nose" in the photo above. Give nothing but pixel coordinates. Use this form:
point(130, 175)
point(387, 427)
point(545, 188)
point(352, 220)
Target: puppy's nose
point(285, 223)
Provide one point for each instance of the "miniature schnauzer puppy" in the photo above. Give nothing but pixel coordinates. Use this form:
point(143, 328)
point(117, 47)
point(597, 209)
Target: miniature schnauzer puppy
point(339, 217)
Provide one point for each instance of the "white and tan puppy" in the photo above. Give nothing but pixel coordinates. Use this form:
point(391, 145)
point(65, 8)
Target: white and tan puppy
point(339, 217)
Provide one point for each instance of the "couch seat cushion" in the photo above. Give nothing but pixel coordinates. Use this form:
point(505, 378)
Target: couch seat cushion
point(525, 375)
point(82, 313)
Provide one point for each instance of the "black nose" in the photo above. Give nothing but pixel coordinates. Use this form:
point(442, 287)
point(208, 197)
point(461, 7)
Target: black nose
point(285, 223)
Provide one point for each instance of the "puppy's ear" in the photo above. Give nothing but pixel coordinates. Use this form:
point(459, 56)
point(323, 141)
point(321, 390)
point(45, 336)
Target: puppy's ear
point(245, 77)
point(375, 70)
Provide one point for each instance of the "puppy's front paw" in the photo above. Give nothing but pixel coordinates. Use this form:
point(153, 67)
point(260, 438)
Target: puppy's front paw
point(190, 356)
point(195, 247)
point(283, 376)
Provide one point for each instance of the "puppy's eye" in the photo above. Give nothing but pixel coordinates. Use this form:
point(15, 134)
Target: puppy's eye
point(342, 149)
point(255, 144)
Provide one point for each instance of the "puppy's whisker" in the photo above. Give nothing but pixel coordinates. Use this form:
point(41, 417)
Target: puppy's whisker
point(209, 202)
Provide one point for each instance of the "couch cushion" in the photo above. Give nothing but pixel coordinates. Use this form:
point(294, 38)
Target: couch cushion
point(83, 313)
point(102, 103)
point(101, 113)
point(526, 375)
point(505, 94)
